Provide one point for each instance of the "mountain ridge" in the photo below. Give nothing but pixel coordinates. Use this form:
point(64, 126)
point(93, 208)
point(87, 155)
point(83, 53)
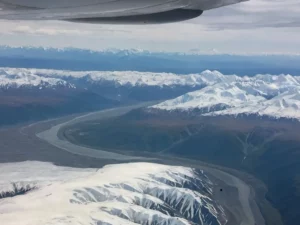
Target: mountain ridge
point(143, 193)
point(261, 95)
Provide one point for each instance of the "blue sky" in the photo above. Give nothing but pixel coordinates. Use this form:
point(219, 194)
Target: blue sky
point(254, 27)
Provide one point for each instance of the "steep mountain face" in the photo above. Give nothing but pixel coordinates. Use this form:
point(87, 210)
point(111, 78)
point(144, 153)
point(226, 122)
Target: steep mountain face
point(136, 193)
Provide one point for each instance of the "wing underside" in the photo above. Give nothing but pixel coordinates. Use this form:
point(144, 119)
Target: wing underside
point(108, 11)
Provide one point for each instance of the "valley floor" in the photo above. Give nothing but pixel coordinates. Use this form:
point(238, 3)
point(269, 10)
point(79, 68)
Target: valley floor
point(40, 142)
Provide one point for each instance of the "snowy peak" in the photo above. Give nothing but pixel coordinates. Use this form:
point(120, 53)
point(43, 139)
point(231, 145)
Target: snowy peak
point(227, 95)
point(135, 193)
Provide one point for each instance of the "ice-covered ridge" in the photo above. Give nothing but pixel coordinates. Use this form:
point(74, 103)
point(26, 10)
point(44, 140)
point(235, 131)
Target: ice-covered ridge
point(134, 193)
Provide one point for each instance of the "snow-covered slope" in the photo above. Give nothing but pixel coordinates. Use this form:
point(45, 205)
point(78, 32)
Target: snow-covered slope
point(212, 98)
point(285, 105)
point(16, 78)
point(262, 95)
point(268, 85)
point(135, 193)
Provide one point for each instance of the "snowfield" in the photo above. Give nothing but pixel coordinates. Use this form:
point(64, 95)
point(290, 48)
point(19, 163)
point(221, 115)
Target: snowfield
point(133, 193)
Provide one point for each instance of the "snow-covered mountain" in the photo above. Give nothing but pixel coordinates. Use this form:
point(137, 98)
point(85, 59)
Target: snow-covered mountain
point(211, 90)
point(285, 105)
point(21, 76)
point(135, 193)
point(262, 95)
point(265, 85)
point(39, 94)
point(222, 95)
point(14, 78)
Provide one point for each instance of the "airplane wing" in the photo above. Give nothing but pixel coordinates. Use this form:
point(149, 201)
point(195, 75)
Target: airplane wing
point(108, 11)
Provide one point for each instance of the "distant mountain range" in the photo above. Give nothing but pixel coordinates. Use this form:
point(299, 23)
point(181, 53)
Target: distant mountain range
point(117, 85)
point(33, 94)
point(20, 77)
point(146, 61)
point(41, 93)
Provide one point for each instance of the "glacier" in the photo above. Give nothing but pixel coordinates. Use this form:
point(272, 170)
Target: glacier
point(129, 193)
